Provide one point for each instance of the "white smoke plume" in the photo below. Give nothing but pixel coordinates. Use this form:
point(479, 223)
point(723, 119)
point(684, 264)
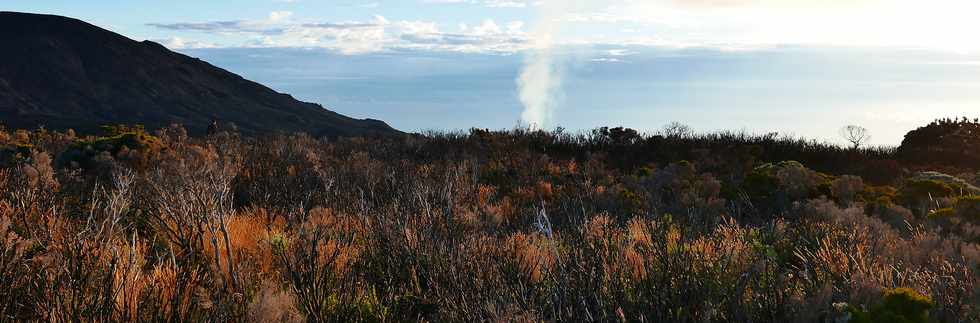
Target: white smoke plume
point(541, 78)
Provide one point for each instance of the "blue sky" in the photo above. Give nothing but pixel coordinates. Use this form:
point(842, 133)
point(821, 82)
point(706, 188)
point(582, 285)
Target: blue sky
point(803, 67)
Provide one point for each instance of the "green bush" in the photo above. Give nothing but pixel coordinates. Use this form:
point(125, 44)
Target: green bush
point(900, 305)
point(764, 180)
point(879, 194)
point(10, 154)
point(943, 214)
point(127, 144)
point(927, 188)
point(943, 142)
point(968, 208)
point(784, 182)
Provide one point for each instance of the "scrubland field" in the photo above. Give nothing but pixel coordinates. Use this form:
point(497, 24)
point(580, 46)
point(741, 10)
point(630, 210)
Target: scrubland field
point(519, 225)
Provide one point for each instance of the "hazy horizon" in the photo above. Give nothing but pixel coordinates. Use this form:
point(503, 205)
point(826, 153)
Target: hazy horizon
point(799, 91)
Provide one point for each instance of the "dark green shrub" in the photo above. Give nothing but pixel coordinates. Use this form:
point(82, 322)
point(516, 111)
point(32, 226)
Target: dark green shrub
point(930, 188)
point(900, 305)
point(881, 172)
point(879, 194)
point(968, 208)
point(942, 215)
point(781, 184)
point(921, 195)
point(950, 142)
point(10, 154)
point(130, 145)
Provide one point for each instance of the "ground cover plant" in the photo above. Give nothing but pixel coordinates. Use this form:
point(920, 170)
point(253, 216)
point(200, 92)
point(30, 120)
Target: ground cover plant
point(518, 225)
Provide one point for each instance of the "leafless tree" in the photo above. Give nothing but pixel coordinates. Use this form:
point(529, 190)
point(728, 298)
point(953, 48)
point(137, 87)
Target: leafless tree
point(676, 130)
point(856, 135)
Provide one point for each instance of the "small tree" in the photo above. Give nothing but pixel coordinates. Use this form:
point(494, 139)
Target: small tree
point(676, 130)
point(856, 135)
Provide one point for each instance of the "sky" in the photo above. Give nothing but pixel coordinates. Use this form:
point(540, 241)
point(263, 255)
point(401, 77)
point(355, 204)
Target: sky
point(798, 67)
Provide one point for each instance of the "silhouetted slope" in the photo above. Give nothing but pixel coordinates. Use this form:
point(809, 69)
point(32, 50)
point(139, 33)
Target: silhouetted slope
point(64, 73)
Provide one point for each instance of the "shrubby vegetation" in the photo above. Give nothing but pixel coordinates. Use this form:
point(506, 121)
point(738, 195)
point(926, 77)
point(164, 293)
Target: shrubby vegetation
point(516, 225)
point(945, 142)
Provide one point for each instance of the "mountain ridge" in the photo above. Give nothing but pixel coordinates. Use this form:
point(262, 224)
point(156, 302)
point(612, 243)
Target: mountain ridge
point(61, 73)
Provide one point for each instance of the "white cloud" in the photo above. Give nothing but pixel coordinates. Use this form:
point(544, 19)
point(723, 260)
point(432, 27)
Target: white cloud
point(280, 29)
point(725, 24)
point(936, 24)
point(607, 60)
point(505, 4)
point(180, 43)
point(279, 16)
point(489, 3)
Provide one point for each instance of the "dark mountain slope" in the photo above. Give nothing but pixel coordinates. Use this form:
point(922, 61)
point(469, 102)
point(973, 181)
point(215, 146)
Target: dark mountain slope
point(64, 73)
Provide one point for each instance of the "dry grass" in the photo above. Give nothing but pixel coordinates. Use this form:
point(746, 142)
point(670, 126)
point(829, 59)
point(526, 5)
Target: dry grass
point(521, 226)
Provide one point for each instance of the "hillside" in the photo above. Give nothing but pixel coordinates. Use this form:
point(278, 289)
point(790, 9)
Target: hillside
point(64, 73)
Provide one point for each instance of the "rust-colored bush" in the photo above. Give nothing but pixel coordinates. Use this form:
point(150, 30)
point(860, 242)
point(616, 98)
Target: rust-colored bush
point(486, 226)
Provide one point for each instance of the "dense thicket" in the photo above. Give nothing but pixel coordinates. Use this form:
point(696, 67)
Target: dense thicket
point(950, 142)
point(515, 225)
